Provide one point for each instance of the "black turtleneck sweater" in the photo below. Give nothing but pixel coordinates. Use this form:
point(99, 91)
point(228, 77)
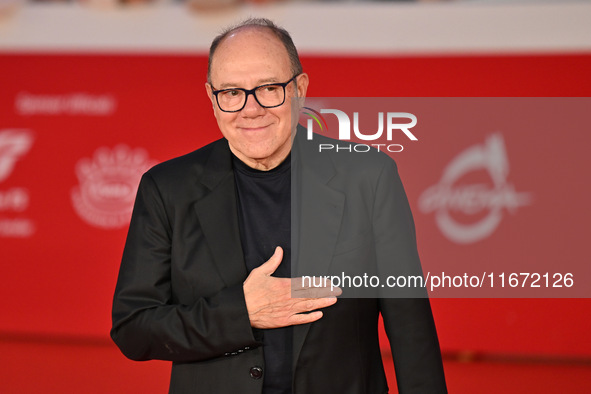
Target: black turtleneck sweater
point(264, 211)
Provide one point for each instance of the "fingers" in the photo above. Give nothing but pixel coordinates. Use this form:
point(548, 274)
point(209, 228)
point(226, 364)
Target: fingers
point(316, 292)
point(286, 311)
point(305, 289)
point(269, 266)
point(304, 305)
point(303, 318)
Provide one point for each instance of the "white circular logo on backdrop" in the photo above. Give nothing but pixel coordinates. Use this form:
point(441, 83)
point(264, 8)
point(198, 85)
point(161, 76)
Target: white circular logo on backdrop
point(476, 198)
point(108, 185)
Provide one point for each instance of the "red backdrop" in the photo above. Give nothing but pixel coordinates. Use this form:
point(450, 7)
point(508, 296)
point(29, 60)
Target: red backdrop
point(58, 191)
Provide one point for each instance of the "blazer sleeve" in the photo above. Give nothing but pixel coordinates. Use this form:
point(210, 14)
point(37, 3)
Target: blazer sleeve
point(407, 315)
point(148, 323)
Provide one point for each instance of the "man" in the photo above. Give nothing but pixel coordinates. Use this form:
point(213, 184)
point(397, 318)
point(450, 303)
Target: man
point(204, 275)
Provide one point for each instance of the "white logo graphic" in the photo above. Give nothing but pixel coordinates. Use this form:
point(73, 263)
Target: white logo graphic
point(474, 199)
point(345, 125)
point(390, 124)
point(108, 185)
point(14, 144)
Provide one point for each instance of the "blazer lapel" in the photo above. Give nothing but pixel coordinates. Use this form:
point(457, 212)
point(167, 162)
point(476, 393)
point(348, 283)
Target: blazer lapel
point(218, 215)
point(316, 220)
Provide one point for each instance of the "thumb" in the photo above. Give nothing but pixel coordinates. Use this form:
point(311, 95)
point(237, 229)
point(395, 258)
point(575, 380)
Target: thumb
point(269, 266)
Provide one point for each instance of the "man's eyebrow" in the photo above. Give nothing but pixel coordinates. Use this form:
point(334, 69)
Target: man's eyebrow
point(227, 85)
point(267, 80)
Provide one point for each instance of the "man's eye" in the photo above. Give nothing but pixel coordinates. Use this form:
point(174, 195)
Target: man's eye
point(231, 93)
point(271, 88)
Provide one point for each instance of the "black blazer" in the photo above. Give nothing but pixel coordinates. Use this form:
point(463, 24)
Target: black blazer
point(179, 294)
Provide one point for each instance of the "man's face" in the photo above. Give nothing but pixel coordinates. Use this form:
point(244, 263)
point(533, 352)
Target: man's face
point(250, 57)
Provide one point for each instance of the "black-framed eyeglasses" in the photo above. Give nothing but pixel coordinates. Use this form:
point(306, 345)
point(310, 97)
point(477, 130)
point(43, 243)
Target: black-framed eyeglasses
point(269, 95)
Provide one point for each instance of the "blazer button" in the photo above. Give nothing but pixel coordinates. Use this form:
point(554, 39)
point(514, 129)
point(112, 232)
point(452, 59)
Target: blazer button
point(256, 372)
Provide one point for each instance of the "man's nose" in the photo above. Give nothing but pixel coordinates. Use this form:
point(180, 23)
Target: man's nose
point(252, 106)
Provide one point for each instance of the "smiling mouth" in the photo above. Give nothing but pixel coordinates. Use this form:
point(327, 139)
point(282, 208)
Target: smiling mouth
point(253, 128)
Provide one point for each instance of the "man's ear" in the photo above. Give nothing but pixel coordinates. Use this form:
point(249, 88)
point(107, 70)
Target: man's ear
point(302, 84)
point(209, 90)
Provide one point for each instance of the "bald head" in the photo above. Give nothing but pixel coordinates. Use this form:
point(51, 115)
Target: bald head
point(263, 26)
